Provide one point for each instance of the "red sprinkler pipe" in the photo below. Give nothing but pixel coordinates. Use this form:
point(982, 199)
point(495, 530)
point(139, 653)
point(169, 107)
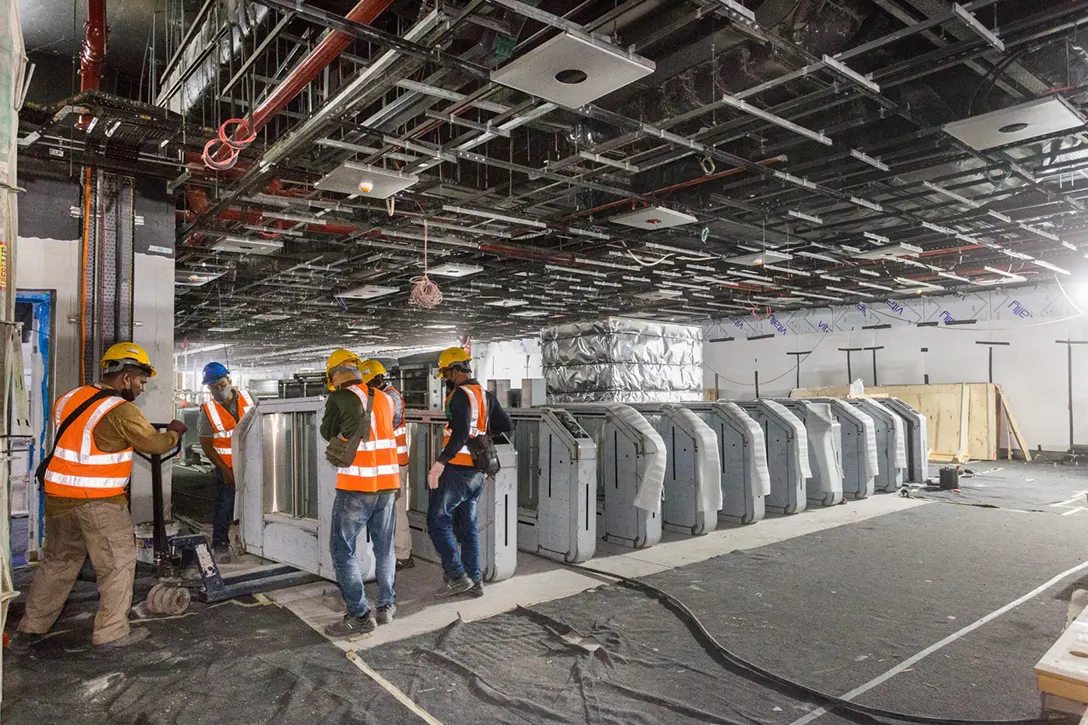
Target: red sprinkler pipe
point(93, 54)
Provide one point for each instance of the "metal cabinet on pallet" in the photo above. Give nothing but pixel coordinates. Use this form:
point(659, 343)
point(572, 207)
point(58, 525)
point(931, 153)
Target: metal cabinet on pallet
point(496, 508)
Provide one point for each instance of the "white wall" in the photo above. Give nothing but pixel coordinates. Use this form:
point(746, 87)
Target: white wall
point(1032, 369)
point(512, 360)
point(53, 264)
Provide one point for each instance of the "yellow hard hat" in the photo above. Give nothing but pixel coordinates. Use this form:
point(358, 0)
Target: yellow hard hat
point(127, 353)
point(338, 358)
point(451, 356)
point(372, 369)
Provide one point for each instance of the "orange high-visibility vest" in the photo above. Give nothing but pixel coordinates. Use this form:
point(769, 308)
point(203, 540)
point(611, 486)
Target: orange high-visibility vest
point(478, 426)
point(375, 467)
point(224, 424)
point(79, 468)
point(401, 431)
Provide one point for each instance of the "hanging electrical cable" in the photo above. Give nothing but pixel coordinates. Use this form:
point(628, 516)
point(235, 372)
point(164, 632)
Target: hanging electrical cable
point(425, 293)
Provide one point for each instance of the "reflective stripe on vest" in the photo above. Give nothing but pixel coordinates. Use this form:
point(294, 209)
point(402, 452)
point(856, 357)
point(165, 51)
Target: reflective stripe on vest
point(375, 467)
point(224, 424)
point(477, 425)
point(400, 433)
point(79, 468)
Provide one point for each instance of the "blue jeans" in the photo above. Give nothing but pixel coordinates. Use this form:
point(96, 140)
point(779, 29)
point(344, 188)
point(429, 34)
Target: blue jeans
point(351, 513)
point(223, 511)
point(451, 520)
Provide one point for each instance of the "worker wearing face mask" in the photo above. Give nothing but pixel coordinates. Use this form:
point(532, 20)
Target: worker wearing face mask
point(97, 428)
point(218, 419)
point(374, 375)
point(455, 483)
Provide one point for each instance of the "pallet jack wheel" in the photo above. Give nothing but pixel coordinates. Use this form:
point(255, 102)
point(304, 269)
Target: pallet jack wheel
point(153, 599)
point(175, 599)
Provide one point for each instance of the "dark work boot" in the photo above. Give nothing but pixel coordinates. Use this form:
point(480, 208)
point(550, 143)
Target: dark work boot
point(453, 587)
point(351, 627)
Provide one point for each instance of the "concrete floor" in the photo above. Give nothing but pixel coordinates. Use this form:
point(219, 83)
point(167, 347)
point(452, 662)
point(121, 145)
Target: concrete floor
point(541, 580)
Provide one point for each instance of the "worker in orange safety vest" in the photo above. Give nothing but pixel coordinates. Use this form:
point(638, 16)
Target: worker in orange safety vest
point(96, 430)
point(365, 492)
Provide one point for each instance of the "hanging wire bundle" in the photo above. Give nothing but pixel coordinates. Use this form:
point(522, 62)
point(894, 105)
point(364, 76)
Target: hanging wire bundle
point(425, 293)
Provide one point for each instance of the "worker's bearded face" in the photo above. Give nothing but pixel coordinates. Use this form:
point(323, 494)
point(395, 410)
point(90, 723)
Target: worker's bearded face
point(131, 386)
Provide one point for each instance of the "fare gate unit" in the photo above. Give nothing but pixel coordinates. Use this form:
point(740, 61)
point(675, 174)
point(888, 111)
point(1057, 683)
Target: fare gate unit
point(859, 453)
point(693, 479)
point(496, 512)
point(917, 438)
point(630, 472)
point(787, 455)
point(557, 484)
point(287, 487)
point(824, 450)
point(742, 453)
point(890, 443)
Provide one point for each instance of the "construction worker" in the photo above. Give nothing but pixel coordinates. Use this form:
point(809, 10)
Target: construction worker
point(86, 508)
point(365, 493)
point(375, 375)
point(454, 482)
point(218, 418)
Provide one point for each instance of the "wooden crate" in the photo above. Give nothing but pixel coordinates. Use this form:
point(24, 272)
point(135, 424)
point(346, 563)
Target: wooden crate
point(962, 419)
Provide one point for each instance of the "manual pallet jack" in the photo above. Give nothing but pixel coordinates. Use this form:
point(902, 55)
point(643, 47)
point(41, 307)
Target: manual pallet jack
point(173, 554)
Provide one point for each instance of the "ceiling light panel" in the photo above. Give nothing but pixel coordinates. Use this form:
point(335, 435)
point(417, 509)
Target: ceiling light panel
point(367, 181)
point(654, 217)
point(767, 256)
point(245, 245)
point(1041, 117)
point(455, 269)
point(572, 71)
point(367, 292)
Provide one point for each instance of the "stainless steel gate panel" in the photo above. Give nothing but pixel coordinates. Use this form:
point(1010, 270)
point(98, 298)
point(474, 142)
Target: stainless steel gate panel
point(693, 486)
point(890, 443)
point(917, 438)
point(287, 488)
point(742, 452)
point(787, 455)
point(496, 509)
point(557, 484)
point(824, 450)
point(630, 472)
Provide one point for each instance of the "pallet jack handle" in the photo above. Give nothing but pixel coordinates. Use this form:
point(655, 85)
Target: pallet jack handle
point(162, 545)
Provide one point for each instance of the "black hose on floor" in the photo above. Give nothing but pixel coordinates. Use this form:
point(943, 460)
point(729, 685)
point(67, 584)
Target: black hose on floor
point(788, 687)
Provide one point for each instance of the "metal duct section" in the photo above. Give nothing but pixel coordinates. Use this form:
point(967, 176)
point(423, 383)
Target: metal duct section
point(219, 38)
point(623, 360)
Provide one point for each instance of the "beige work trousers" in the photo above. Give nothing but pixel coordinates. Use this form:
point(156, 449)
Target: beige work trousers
point(102, 531)
point(402, 539)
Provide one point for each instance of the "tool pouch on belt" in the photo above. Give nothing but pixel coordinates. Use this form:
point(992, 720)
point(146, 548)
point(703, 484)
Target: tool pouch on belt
point(341, 453)
point(485, 457)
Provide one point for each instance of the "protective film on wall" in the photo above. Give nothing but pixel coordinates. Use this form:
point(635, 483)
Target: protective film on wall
point(1010, 306)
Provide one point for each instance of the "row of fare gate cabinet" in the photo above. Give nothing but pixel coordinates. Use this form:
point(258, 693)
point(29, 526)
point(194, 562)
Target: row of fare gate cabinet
point(575, 474)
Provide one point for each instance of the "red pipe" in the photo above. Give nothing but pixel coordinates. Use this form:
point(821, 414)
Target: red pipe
point(93, 54)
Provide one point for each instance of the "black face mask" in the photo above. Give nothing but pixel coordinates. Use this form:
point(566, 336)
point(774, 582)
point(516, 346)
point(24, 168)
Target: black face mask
point(128, 394)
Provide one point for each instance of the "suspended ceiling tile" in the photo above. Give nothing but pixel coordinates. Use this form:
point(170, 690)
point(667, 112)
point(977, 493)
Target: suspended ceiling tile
point(353, 178)
point(368, 291)
point(654, 217)
point(1041, 117)
point(571, 71)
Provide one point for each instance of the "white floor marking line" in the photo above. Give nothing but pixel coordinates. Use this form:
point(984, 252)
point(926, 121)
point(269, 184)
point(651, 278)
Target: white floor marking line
point(911, 661)
point(393, 690)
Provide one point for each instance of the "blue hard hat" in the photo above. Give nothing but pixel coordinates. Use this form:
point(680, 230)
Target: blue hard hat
point(213, 371)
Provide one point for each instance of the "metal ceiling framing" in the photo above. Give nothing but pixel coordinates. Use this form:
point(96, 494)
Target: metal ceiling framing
point(823, 146)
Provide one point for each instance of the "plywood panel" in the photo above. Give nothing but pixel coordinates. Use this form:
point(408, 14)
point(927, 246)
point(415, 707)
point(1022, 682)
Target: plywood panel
point(962, 417)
